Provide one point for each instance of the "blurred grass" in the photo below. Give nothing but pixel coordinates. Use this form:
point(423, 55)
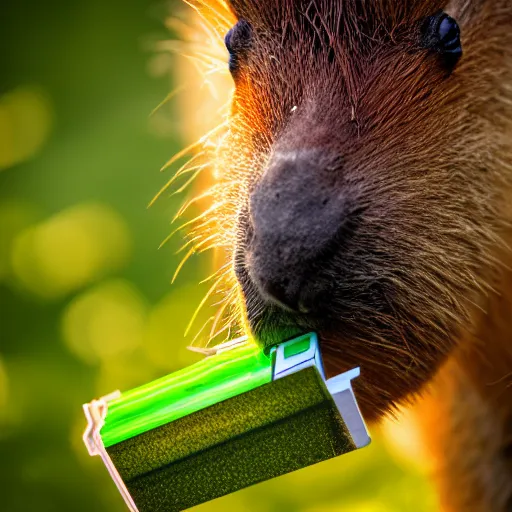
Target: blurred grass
point(85, 301)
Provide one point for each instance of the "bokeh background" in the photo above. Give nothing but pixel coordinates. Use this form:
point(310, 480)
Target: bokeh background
point(86, 304)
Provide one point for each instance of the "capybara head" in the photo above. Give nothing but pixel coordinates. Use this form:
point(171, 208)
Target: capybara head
point(363, 177)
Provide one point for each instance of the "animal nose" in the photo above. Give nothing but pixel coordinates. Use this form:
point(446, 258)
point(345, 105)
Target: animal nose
point(296, 211)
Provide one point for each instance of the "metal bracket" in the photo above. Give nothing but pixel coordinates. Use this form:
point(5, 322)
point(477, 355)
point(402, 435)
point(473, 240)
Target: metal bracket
point(297, 354)
point(340, 388)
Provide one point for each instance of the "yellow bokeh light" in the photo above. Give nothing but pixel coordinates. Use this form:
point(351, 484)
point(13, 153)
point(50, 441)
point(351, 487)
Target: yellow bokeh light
point(10, 411)
point(15, 216)
point(235, 503)
point(105, 323)
point(25, 124)
point(367, 506)
point(402, 435)
point(70, 250)
point(3, 389)
point(125, 372)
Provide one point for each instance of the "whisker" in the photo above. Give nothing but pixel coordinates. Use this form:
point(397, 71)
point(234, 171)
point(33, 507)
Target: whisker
point(199, 217)
point(181, 172)
point(217, 318)
point(224, 270)
point(182, 263)
point(222, 17)
point(189, 242)
point(203, 225)
point(227, 327)
point(200, 331)
point(191, 179)
point(208, 294)
point(180, 154)
point(190, 202)
point(168, 98)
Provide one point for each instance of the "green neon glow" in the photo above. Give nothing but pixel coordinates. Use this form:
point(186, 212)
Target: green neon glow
point(298, 346)
point(201, 385)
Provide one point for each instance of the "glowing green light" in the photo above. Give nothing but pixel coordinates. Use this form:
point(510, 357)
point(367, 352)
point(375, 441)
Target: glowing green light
point(298, 346)
point(201, 385)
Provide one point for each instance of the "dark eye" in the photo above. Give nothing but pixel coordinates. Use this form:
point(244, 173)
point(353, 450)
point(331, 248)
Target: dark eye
point(238, 41)
point(442, 34)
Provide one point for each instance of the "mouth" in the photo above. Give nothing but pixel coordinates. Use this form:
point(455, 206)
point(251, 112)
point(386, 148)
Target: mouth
point(271, 323)
point(276, 325)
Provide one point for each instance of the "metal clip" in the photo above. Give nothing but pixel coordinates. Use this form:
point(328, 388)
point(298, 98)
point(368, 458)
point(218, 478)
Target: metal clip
point(340, 388)
point(304, 352)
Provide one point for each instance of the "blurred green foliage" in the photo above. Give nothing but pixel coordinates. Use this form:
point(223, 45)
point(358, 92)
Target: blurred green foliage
point(86, 305)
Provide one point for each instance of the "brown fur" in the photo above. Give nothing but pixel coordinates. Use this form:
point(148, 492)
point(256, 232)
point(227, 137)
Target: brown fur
point(422, 293)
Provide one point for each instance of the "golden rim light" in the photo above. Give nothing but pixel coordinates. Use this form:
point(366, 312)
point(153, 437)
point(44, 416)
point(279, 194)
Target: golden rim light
point(204, 99)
